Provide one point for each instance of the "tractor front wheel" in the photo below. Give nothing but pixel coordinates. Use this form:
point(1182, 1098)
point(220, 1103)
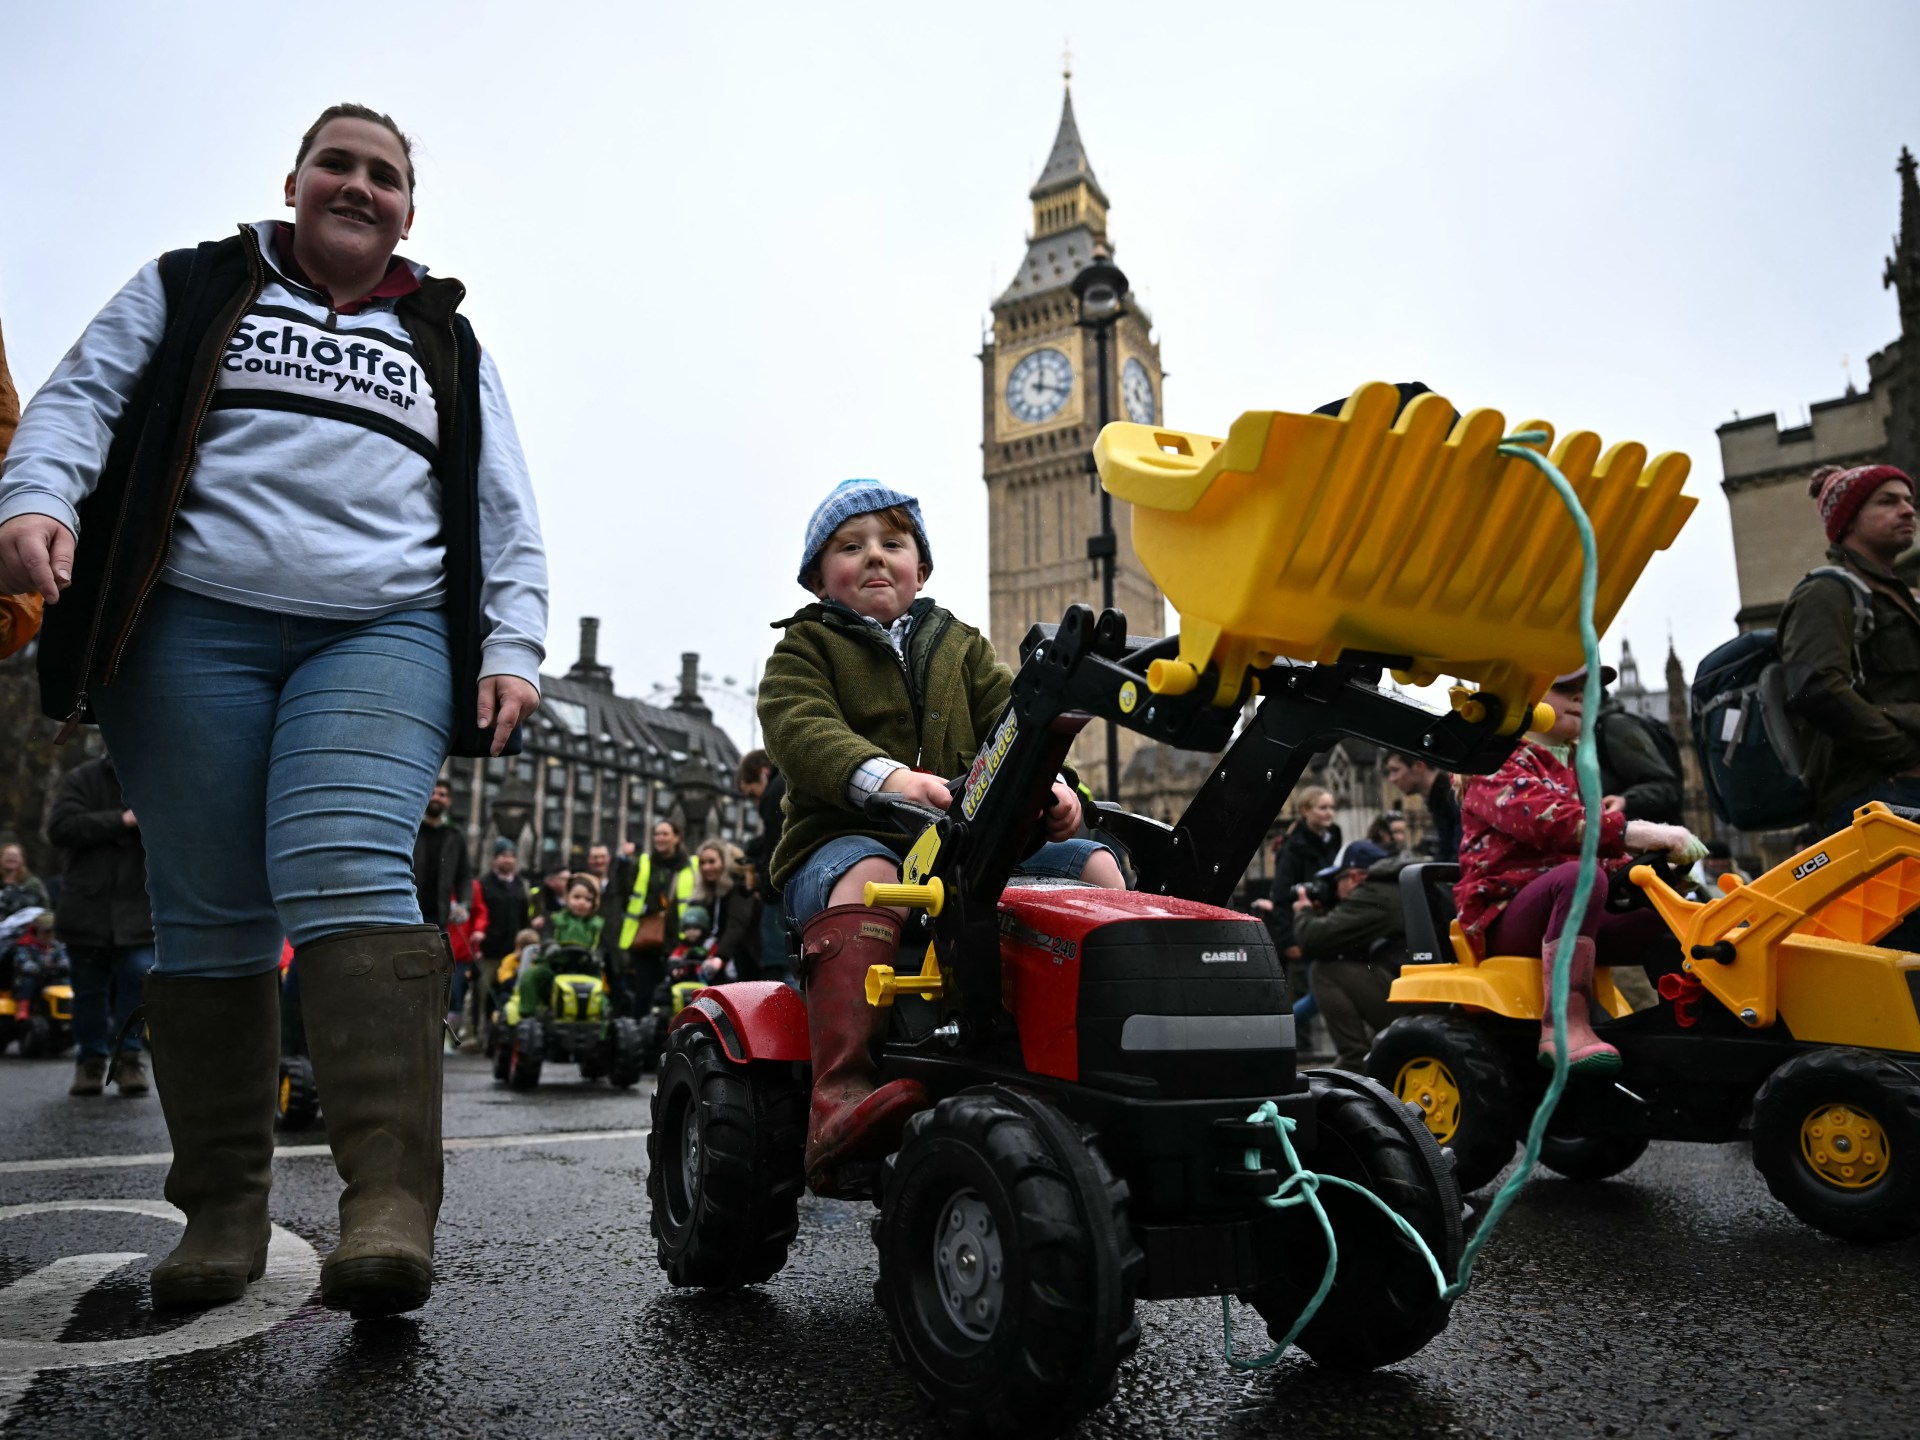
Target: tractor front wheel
point(1007, 1268)
point(1451, 1070)
point(724, 1174)
point(1836, 1136)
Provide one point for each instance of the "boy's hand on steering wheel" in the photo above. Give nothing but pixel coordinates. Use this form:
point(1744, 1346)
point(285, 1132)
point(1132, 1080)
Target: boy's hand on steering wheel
point(928, 790)
point(1063, 815)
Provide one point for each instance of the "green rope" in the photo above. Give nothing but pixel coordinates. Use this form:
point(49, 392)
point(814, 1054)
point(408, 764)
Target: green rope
point(1301, 1186)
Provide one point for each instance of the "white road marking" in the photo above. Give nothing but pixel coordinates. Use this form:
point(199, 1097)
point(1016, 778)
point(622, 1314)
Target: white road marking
point(302, 1152)
point(35, 1309)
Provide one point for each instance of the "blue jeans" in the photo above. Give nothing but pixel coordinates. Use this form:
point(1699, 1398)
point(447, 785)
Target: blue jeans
point(279, 766)
point(108, 981)
point(807, 891)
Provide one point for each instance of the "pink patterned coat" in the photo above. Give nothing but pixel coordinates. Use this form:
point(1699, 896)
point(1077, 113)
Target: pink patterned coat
point(1516, 825)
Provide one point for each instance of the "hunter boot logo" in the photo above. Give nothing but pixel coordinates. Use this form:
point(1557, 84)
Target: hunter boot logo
point(359, 963)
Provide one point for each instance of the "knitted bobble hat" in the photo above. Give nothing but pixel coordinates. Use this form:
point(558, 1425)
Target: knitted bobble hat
point(1841, 492)
point(859, 497)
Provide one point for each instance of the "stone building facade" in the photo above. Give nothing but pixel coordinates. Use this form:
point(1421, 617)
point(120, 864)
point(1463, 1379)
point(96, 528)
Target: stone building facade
point(1776, 534)
point(599, 768)
point(1040, 414)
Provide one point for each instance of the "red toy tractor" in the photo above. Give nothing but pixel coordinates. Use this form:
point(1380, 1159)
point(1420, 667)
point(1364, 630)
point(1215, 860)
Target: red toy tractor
point(1094, 1057)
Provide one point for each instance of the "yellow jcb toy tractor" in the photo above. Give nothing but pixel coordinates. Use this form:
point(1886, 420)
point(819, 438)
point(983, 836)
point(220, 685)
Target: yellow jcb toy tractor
point(1779, 1017)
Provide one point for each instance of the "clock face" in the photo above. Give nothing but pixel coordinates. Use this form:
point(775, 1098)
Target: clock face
point(1039, 386)
point(1136, 388)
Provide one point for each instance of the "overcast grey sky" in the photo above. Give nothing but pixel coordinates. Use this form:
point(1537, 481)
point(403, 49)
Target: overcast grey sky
point(728, 255)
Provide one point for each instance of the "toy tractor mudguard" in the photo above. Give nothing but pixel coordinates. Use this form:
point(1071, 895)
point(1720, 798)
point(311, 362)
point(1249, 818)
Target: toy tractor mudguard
point(751, 1020)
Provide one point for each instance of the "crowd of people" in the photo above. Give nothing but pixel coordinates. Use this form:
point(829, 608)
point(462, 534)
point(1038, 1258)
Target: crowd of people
point(632, 911)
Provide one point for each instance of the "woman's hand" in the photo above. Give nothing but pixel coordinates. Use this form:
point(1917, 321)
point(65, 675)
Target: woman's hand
point(505, 700)
point(36, 553)
point(1063, 815)
point(1611, 803)
point(1263, 906)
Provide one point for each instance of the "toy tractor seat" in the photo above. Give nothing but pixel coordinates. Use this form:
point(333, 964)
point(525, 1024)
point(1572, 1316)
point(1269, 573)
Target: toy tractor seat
point(1426, 895)
point(1401, 536)
point(1450, 973)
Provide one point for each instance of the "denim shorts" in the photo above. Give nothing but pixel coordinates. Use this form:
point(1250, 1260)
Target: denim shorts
point(279, 766)
point(808, 888)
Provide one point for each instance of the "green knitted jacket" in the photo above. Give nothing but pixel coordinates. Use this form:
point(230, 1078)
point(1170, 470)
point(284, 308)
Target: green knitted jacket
point(835, 694)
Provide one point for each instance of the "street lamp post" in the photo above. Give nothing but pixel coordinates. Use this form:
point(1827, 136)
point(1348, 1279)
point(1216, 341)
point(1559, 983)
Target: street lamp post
point(696, 791)
point(1101, 289)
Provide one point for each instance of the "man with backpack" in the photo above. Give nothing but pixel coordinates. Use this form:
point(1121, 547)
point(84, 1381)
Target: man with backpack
point(1639, 763)
point(1850, 648)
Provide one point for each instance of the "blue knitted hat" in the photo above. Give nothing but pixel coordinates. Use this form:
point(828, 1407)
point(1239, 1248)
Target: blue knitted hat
point(859, 497)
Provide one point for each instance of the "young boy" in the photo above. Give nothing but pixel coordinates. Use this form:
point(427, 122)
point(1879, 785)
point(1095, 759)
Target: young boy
point(873, 688)
point(579, 924)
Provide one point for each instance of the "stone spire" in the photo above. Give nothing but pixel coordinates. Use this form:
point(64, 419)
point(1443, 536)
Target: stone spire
point(1067, 165)
point(1902, 275)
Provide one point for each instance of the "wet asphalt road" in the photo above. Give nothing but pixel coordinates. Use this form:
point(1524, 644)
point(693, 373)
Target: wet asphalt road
point(1677, 1300)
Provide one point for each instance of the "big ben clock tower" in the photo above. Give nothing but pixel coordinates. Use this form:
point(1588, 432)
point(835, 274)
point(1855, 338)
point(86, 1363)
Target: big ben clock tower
point(1041, 411)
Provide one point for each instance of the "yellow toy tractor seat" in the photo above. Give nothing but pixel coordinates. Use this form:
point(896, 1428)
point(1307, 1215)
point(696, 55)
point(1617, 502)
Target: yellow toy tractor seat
point(1452, 974)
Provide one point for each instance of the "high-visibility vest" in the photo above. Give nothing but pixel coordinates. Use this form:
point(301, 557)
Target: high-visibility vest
point(642, 883)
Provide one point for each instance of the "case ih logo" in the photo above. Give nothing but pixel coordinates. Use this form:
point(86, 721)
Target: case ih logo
point(1223, 957)
point(1800, 872)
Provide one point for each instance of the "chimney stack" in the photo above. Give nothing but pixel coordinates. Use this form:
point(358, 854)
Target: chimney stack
point(587, 669)
point(688, 699)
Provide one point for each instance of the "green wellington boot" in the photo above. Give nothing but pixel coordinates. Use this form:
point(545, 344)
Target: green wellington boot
point(375, 1002)
point(215, 1046)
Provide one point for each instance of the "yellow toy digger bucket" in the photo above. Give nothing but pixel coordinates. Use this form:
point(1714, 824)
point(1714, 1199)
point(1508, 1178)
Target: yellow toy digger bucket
point(1307, 536)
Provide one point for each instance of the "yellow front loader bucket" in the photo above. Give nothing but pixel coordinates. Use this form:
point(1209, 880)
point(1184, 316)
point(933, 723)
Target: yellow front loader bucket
point(1307, 536)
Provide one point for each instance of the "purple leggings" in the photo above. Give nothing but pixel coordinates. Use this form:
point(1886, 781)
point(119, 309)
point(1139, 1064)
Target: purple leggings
point(1539, 913)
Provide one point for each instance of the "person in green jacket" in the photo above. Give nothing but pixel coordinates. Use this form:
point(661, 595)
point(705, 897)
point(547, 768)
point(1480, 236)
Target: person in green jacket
point(576, 925)
point(874, 688)
point(1355, 946)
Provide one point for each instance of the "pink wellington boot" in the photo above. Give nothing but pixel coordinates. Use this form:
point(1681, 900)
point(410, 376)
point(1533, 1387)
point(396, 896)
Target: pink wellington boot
point(1587, 1053)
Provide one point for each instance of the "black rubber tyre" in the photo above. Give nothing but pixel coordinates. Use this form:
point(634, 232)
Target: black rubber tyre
point(526, 1052)
point(36, 1039)
point(1021, 1335)
point(625, 1062)
point(724, 1175)
point(1591, 1157)
point(298, 1097)
point(652, 1041)
point(1797, 1144)
point(593, 1062)
point(500, 1049)
point(1384, 1304)
point(1445, 1065)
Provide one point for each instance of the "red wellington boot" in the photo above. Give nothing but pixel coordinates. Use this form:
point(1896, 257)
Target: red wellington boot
point(852, 1118)
point(1587, 1053)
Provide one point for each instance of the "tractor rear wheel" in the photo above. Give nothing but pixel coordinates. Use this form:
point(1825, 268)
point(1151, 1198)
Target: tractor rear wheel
point(1384, 1304)
point(299, 1096)
point(526, 1052)
point(1591, 1157)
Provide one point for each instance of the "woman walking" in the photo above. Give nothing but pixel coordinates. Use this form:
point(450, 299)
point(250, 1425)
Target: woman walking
point(275, 502)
